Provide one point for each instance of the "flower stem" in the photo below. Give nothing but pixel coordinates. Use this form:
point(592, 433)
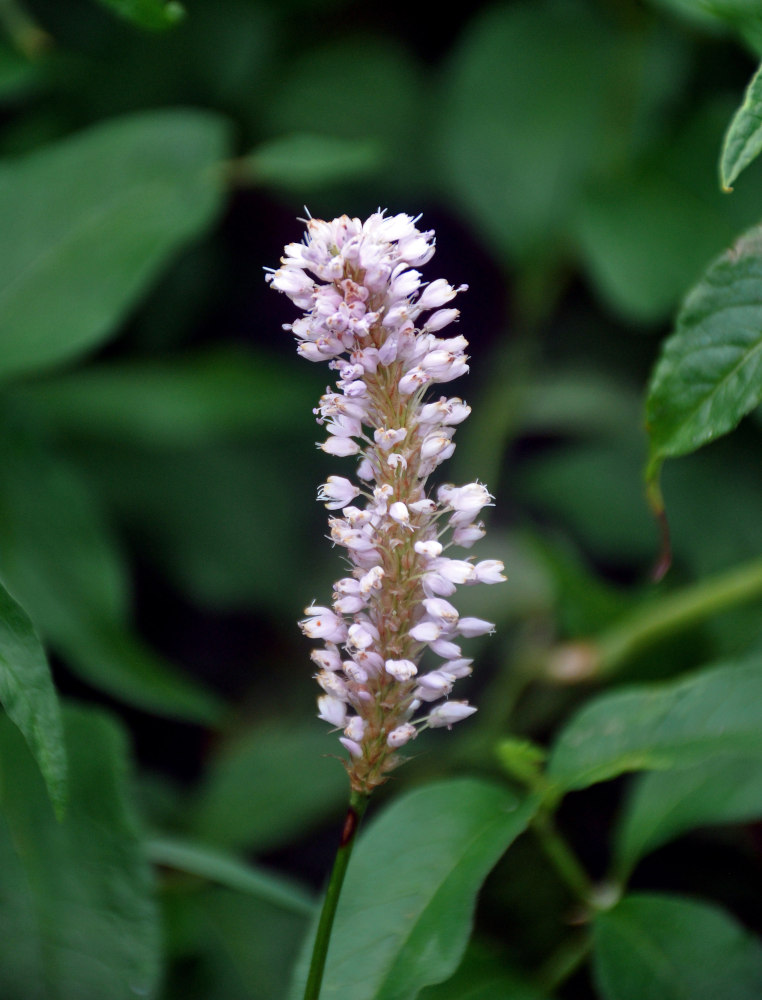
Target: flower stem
point(676, 612)
point(357, 805)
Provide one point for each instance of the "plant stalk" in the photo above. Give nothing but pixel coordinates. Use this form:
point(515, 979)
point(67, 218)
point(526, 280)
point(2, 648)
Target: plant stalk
point(676, 612)
point(357, 806)
point(563, 859)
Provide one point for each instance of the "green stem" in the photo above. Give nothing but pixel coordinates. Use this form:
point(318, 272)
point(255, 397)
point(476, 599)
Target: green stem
point(564, 962)
point(563, 859)
point(676, 612)
point(357, 806)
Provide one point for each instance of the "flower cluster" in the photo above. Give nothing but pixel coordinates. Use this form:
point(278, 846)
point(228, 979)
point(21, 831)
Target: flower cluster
point(370, 317)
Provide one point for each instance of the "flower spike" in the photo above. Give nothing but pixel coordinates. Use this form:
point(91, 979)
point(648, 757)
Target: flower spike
point(369, 316)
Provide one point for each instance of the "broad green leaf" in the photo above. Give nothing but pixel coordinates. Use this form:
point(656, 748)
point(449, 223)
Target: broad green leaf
point(228, 870)
point(661, 726)
point(674, 949)
point(406, 908)
point(190, 400)
point(77, 914)
point(743, 140)
point(28, 696)
point(709, 374)
point(87, 224)
point(277, 782)
point(482, 976)
point(674, 217)
point(229, 946)
point(306, 160)
point(665, 804)
point(58, 556)
point(334, 89)
point(152, 14)
point(230, 522)
point(525, 118)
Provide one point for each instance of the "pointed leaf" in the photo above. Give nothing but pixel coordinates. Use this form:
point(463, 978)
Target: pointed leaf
point(304, 160)
point(406, 909)
point(77, 914)
point(276, 782)
point(228, 870)
point(655, 727)
point(674, 949)
point(665, 804)
point(87, 224)
point(743, 140)
point(60, 559)
point(28, 696)
point(710, 371)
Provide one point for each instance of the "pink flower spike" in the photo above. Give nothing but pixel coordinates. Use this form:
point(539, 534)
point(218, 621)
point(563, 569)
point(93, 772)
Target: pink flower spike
point(373, 319)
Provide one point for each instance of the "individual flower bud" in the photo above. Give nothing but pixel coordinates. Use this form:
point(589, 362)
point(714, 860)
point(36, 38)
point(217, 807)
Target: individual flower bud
point(449, 713)
point(401, 735)
point(401, 670)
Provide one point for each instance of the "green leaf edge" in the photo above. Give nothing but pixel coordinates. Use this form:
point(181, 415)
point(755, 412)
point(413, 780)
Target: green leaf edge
point(743, 139)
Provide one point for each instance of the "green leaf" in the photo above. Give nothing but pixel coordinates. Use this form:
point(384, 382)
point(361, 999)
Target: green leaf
point(276, 782)
point(59, 558)
point(743, 140)
point(674, 217)
point(87, 224)
point(28, 696)
point(199, 511)
point(674, 949)
point(709, 374)
point(665, 804)
point(520, 132)
point(329, 88)
point(77, 914)
point(483, 977)
point(190, 400)
point(152, 14)
point(305, 160)
point(661, 726)
point(225, 869)
point(409, 895)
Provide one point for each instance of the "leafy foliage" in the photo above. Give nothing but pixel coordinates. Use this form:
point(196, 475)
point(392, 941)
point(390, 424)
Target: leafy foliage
point(158, 537)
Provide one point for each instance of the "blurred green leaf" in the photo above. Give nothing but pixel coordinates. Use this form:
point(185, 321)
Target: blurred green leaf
point(482, 977)
point(225, 869)
point(77, 914)
point(709, 374)
point(226, 521)
point(656, 727)
point(362, 88)
point(28, 696)
point(158, 403)
point(664, 805)
point(409, 896)
point(153, 14)
point(594, 489)
point(743, 140)
point(523, 122)
point(88, 223)
point(674, 948)
point(17, 74)
point(236, 947)
point(647, 230)
point(306, 160)
point(58, 555)
point(275, 783)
